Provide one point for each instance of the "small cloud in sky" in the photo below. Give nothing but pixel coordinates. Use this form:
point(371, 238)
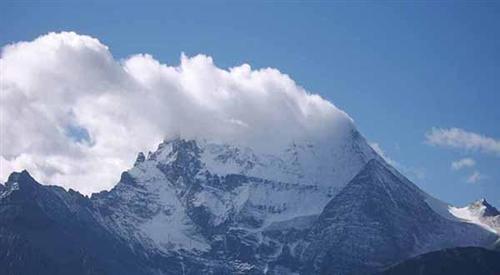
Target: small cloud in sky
point(462, 163)
point(475, 177)
point(462, 139)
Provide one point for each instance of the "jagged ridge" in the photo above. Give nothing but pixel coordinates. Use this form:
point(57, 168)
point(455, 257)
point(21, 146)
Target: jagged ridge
point(195, 206)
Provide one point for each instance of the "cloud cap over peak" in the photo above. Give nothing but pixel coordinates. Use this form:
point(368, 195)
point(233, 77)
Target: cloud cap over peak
point(73, 115)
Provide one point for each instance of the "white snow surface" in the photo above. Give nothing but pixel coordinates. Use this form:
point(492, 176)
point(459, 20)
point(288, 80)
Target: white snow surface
point(475, 213)
point(320, 163)
point(298, 181)
point(284, 189)
point(152, 214)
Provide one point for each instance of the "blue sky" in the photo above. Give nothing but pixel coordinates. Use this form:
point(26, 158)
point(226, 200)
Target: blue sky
point(398, 69)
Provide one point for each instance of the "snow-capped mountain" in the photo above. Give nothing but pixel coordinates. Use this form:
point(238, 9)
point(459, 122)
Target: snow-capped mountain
point(189, 184)
point(480, 213)
point(196, 206)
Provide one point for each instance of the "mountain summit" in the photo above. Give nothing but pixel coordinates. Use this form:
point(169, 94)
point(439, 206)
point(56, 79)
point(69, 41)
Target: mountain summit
point(195, 206)
point(481, 213)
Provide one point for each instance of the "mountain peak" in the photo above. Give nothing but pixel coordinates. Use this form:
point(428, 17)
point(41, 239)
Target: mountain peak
point(377, 219)
point(21, 181)
point(481, 213)
point(483, 206)
point(339, 206)
point(19, 176)
point(140, 158)
point(481, 201)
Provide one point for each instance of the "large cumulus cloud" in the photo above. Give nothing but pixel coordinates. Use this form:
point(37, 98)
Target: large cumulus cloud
point(75, 116)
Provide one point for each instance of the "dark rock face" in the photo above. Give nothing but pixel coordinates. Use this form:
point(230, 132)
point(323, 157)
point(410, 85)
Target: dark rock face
point(456, 261)
point(385, 223)
point(379, 218)
point(186, 162)
point(489, 210)
point(46, 230)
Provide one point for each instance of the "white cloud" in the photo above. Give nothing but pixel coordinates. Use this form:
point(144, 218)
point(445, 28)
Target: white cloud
point(73, 115)
point(461, 139)
point(462, 163)
point(474, 177)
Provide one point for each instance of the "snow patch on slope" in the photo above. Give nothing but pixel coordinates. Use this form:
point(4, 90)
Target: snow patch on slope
point(173, 231)
point(147, 209)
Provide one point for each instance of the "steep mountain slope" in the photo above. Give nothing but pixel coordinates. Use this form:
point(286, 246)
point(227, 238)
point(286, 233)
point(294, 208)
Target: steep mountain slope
point(195, 185)
point(456, 261)
point(46, 230)
point(196, 207)
point(379, 219)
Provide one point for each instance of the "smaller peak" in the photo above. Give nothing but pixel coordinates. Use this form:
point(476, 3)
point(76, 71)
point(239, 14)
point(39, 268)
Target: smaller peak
point(20, 177)
point(140, 158)
point(180, 144)
point(22, 181)
point(171, 149)
point(480, 202)
point(489, 210)
point(175, 142)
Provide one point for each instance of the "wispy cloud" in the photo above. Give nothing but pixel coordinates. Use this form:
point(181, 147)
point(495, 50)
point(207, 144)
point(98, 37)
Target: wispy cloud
point(462, 163)
point(462, 139)
point(475, 177)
